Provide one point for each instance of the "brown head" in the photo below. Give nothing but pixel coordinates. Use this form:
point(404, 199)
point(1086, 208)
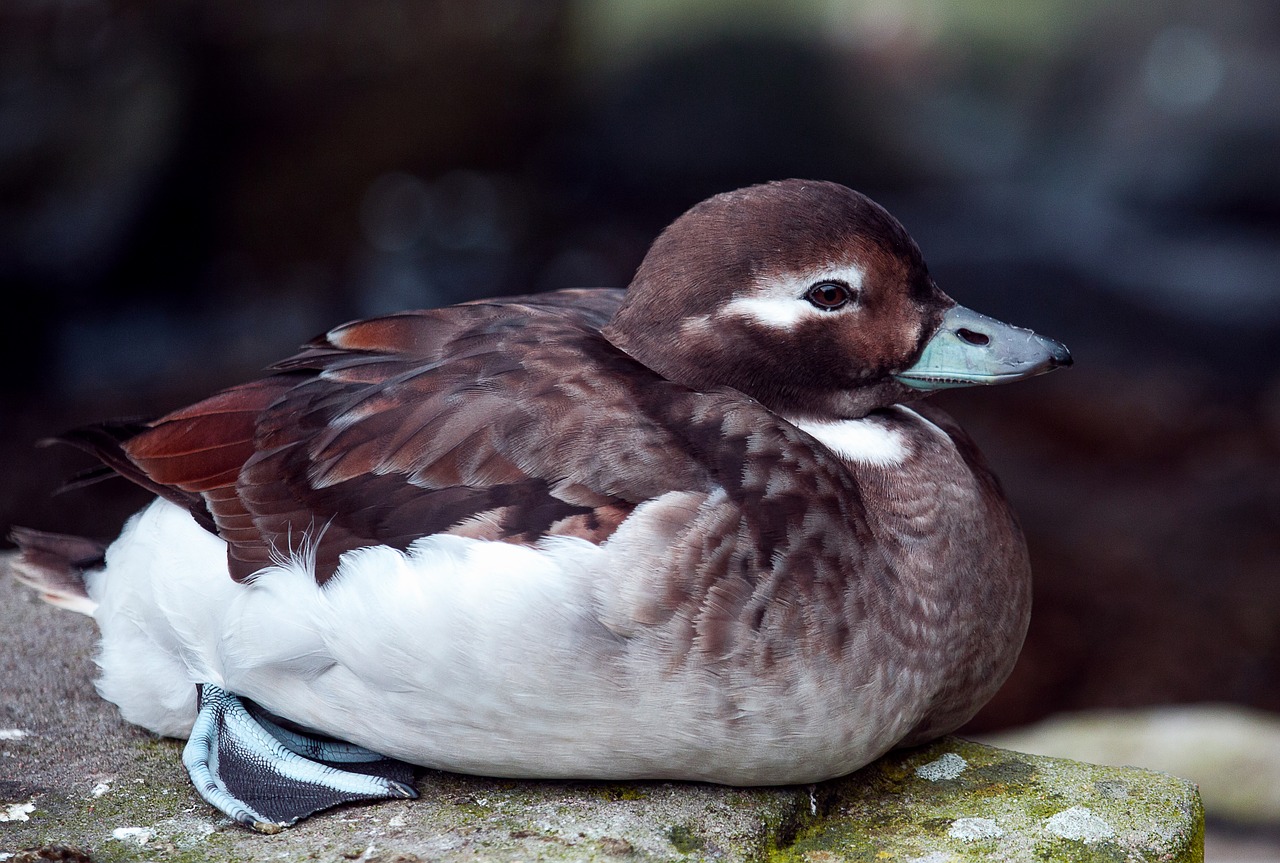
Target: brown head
point(807, 296)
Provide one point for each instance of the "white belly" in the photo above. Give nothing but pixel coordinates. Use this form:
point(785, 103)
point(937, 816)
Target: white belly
point(472, 656)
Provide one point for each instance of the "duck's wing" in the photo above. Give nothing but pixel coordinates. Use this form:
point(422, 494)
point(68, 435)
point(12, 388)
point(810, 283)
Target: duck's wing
point(510, 421)
point(498, 420)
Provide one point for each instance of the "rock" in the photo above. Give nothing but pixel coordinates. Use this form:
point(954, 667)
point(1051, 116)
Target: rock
point(1231, 752)
point(87, 781)
point(956, 800)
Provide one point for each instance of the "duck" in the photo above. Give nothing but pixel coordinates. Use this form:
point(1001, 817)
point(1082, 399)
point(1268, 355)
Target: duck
point(703, 529)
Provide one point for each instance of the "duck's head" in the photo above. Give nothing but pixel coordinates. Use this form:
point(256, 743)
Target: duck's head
point(810, 298)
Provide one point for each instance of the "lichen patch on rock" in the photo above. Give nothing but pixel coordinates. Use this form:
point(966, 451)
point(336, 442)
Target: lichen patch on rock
point(136, 835)
point(17, 812)
point(970, 829)
point(949, 766)
point(1079, 823)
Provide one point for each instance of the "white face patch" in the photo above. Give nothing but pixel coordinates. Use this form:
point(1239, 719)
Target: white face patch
point(780, 303)
point(865, 441)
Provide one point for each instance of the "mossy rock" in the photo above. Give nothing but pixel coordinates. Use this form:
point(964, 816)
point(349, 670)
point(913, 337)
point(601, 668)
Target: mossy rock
point(958, 801)
point(951, 801)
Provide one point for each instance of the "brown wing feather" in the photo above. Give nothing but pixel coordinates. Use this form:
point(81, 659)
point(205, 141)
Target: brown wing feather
point(202, 447)
point(494, 431)
point(377, 433)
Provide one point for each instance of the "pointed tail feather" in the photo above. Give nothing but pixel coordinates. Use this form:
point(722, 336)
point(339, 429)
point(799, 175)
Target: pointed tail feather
point(108, 442)
point(54, 565)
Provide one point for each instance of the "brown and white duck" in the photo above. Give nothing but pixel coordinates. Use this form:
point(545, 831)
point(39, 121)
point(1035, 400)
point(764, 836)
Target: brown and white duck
point(689, 531)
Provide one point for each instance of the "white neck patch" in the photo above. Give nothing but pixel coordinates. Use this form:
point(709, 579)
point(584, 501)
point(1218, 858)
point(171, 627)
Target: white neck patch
point(779, 302)
point(864, 441)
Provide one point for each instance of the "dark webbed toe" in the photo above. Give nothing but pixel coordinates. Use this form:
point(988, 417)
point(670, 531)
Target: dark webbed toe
point(252, 769)
point(329, 750)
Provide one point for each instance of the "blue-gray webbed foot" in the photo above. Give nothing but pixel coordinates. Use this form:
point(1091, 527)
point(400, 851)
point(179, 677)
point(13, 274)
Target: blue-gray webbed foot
point(267, 777)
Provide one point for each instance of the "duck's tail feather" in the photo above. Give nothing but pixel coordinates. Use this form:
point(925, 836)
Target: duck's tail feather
point(104, 441)
point(108, 442)
point(54, 565)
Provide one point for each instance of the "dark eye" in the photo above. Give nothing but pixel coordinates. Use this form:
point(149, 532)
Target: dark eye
point(828, 296)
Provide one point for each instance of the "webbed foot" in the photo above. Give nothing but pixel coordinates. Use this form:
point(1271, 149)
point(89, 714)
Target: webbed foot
point(267, 777)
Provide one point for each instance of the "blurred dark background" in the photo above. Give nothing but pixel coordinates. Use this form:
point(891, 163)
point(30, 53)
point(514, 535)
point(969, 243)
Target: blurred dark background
point(188, 190)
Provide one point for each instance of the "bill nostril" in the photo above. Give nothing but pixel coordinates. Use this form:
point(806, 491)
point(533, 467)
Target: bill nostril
point(973, 337)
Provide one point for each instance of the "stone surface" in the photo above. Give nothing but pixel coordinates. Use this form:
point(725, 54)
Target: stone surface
point(957, 800)
point(1231, 752)
point(72, 773)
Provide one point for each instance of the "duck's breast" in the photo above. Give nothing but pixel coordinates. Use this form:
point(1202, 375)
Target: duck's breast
point(940, 518)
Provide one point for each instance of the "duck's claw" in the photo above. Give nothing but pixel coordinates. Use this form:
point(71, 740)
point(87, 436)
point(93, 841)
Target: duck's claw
point(264, 776)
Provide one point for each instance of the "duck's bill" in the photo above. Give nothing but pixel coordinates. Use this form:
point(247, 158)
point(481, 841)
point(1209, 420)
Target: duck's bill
point(970, 349)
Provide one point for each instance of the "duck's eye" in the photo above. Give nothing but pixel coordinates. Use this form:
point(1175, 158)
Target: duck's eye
point(828, 296)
